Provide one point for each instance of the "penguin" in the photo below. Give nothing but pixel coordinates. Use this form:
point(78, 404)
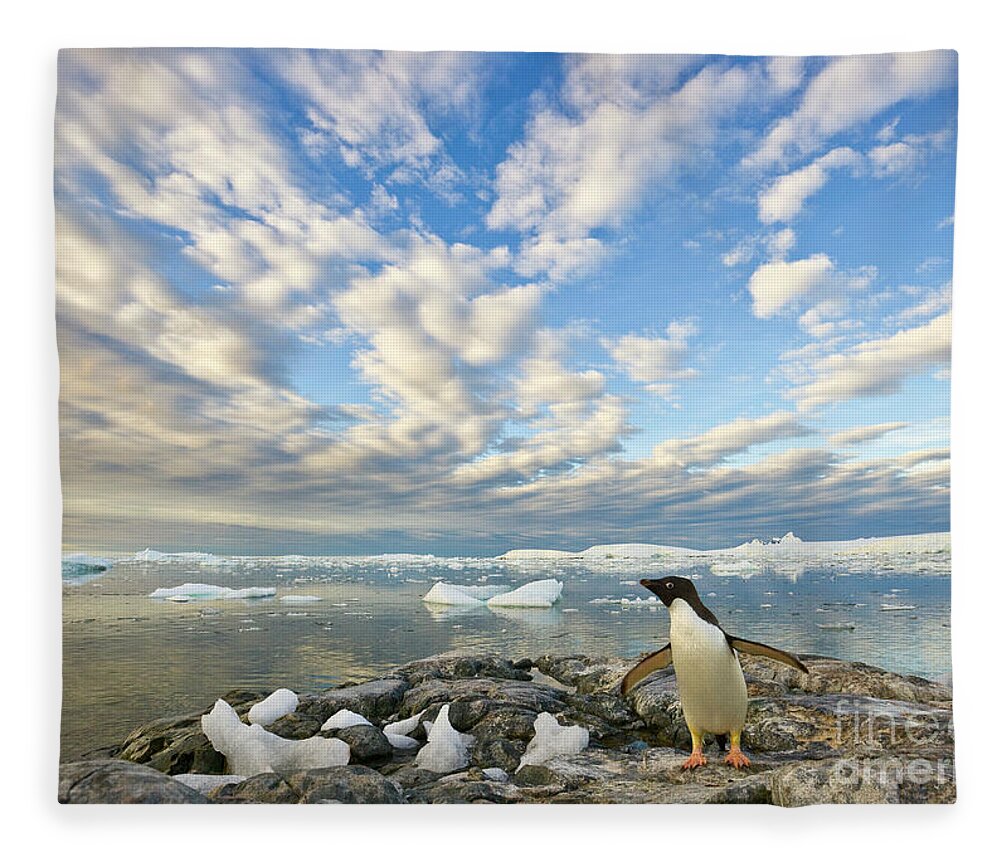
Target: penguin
point(710, 680)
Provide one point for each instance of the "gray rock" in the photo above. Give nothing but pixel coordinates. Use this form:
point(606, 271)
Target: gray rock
point(295, 726)
point(115, 781)
point(173, 746)
point(350, 784)
point(885, 779)
point(586, 673)
point(374, 700)
point(465, 787)
point(497, 752)
point(262, 788)
point(463, 664)
point(367, 743)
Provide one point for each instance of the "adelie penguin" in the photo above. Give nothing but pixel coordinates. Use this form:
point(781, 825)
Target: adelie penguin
point(710, 679)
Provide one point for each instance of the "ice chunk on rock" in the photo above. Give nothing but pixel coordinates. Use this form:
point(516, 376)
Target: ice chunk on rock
point(205, 782)
point(401, 742)
point(403, 727)
point(200, 590)
point(495, 774)
point(446, 594)
point(344, 719)
point(541, 595)
point(252, 749)
point(279, 703)
point(552, 739)
point(447, 750)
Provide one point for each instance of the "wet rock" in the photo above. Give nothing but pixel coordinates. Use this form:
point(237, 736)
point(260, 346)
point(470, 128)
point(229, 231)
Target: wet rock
point(374, 700)
point(587, 674)
point(367, 743)
point(460, 664)
point(172, 746)
point(262, 788)
point(497, 752)
point(489, 694)
point(466, 787)
point(508, 723)
point(350, 784)
point(295, 726)
point(115, 781)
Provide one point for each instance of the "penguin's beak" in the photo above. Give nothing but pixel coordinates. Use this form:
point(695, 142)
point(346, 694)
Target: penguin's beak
point(646, 583)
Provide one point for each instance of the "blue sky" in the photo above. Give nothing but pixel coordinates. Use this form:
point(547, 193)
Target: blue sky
point(358, 302)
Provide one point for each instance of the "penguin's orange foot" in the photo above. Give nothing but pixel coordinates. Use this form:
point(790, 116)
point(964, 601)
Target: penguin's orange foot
point(696, 759)
point(737, 759)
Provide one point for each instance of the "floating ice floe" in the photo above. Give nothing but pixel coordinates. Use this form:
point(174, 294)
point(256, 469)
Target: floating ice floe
point(837, 625)
point(250, 750)
point(275, 706)
point(540, 594)
point(625, 601)
point(344, 719)
point(552, 739)
point(299, 598)
point(447, 750)
point(201, 591)
point(446, 594)
point(896, 607)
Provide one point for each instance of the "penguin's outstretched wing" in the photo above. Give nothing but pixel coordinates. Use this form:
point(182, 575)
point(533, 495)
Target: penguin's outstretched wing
point(760, 650)
point(645, 667)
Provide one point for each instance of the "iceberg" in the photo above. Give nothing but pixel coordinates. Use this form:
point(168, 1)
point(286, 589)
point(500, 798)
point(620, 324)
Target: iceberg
point(516, 554)
point(250, 750)
point(634, 550)
point(275, 706)
point(447, 750)
point(199, 590)
point(446, 594)
point(552, 739)
point(344, 719)
point(541, 594)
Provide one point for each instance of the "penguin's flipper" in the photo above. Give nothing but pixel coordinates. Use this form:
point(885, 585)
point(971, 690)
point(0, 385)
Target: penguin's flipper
point(759, 650)
point(645, 667)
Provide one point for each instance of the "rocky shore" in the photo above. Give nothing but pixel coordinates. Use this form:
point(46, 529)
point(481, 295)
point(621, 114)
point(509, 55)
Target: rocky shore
point(845, 733)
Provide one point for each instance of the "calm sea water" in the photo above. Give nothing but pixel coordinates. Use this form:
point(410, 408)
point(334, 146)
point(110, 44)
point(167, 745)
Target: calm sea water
point(128, 658)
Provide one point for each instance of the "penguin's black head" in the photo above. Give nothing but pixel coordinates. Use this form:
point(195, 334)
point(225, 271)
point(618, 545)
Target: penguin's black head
point(670, 588)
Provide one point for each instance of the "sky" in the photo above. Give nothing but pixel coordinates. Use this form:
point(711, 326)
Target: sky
point(355, 302)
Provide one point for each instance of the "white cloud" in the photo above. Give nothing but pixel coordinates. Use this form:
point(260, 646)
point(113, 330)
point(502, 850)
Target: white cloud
point(785, 197)
point(589, 168)
point(654, 360)
point(876, 367)
point(373, 105)
point(725, 440)
point(778, 283)
point(848, 91)
point(857, 435)
point(933, 302)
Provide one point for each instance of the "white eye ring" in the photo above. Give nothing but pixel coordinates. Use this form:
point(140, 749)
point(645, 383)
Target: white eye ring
point(670, 585)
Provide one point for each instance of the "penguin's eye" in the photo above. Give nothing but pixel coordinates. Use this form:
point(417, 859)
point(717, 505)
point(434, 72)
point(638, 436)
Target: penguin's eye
point(670, 585)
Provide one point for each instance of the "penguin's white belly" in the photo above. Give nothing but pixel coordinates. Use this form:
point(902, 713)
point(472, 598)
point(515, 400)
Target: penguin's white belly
point(710, 680)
